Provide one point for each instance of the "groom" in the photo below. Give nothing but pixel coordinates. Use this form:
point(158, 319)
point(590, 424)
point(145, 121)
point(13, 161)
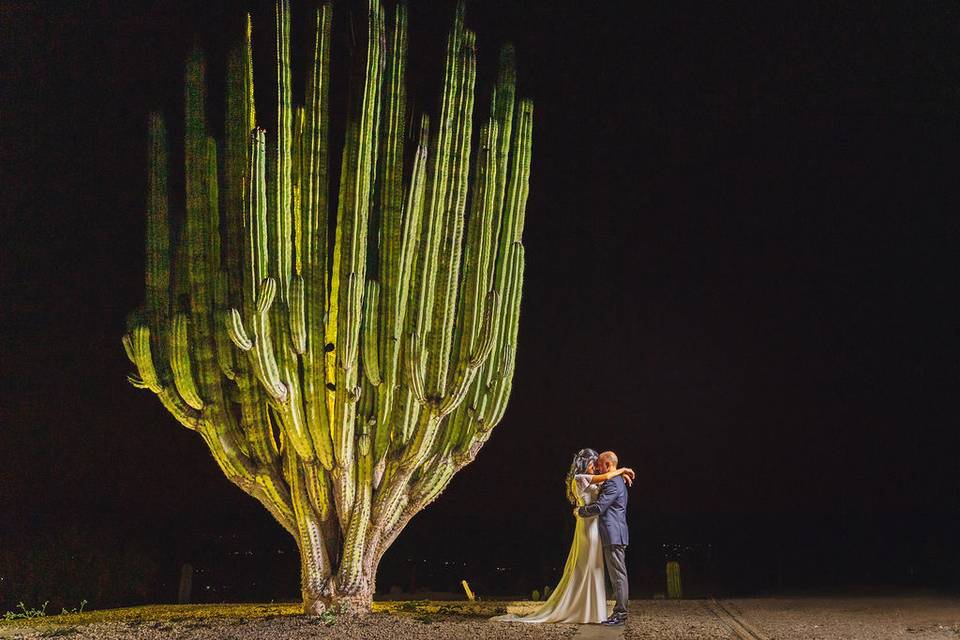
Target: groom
point(611, 506)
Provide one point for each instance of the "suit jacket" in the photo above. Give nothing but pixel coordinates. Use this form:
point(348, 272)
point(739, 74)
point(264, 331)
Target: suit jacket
point(611, 506)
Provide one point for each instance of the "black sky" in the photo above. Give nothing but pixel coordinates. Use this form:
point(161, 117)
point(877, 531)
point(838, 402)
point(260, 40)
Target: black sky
point(741, 275)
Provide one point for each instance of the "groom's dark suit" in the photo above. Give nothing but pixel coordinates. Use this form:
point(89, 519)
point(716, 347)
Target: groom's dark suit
point(611, 506)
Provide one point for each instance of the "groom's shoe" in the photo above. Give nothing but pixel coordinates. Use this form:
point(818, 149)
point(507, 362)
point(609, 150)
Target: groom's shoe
point(615, 620)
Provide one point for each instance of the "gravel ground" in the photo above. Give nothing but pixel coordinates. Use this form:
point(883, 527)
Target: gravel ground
point(381, 626)
point(806, 618)
point(673, 620)
point(867, 618)
point(378, 626)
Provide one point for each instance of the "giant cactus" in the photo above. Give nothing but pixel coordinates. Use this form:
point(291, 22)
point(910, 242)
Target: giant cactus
point(341, 381)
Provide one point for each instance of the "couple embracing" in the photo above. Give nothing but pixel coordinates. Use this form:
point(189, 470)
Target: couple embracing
point(598, 489)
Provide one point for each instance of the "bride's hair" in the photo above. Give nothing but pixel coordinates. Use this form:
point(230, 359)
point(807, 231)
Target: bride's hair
point(579, 465)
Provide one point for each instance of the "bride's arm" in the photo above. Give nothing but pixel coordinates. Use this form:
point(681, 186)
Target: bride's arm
point(627, 472)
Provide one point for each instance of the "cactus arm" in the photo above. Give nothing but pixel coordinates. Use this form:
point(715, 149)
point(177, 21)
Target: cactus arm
point(501, 112)
point(281, 336)
point(179, 409)
point(257, 251)
point(314, 203)
point(477, 251)
point(283, 202)
point(225, 355)
point(311, 536)
point(262, 357)
point(143, 358)
point(393, 218)
point(511, 252)
point(180, 362)
point(438, 184)
point(260, 348)
point(254, 417)
point(158, 226)
point(352, 564)
point(419, 495)
point(220, 430)
point(349, 266)
point(128, 349)
point(415, 358)
point(238, 335)
point(297, 314)
point(510, 341)
point(491, 393)
point(502, 107)
point(272, 492)
point(318, 491)
point(391, 197)
point(432, 483)
point(444, 231)
point(476, 282)
point(389, 421)
point(297, 176)
point(451, 210)
point(157, 307)
point(371, 366)
point(471, 361)
point(347, 359)
point(239, 122)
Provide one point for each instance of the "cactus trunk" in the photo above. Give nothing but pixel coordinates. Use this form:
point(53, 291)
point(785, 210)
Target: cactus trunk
point(341, 381)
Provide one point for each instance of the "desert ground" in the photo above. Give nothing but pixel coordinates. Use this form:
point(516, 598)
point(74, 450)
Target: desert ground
point(923, 617)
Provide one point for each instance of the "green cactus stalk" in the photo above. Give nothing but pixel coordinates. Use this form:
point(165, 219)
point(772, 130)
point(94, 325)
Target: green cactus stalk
point(674, 588)
point(341, 381)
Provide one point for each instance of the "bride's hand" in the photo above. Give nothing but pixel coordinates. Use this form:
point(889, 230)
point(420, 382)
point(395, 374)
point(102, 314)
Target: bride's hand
point(627, 473)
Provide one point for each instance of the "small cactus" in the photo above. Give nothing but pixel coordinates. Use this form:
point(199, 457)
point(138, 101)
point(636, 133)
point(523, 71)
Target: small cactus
point(674, 588)
point(535, 596)
point(546, 592)
point(186, 583)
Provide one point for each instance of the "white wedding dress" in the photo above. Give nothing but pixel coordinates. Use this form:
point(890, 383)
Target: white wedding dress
point(580, 595)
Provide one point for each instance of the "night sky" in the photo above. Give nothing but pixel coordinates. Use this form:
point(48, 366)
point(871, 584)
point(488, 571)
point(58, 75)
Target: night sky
point(741, 243)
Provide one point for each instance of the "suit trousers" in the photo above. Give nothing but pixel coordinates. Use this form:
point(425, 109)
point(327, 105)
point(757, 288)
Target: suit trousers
point(613, 555)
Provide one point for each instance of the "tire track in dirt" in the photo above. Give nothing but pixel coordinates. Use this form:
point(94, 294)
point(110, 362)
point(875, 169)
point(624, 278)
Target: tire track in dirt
point(736, 623)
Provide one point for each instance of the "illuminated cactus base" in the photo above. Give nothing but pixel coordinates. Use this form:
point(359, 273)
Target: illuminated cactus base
point(339, 378)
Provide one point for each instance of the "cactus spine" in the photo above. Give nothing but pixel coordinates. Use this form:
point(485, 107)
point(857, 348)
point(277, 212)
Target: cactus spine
point(341, 381)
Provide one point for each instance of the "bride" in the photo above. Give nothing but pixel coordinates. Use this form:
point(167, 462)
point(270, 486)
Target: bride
point(580, 595)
